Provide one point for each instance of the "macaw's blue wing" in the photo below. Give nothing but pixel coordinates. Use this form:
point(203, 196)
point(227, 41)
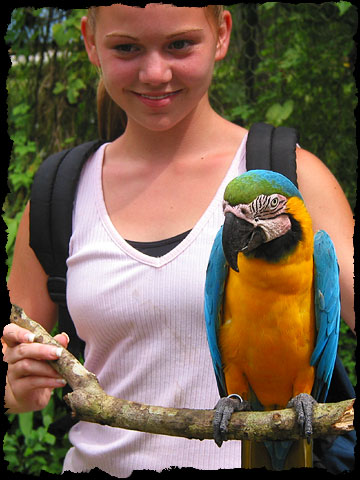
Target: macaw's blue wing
point(327, 311)
point(216, 275)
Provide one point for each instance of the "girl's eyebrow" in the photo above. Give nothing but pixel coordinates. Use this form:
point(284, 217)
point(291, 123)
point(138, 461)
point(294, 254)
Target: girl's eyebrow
point(118, 34)
point(184, 32)
point(172, 35)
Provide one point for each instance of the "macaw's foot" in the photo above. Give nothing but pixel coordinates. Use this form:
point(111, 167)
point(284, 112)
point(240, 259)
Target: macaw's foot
point(224, 408)
point(304, 407)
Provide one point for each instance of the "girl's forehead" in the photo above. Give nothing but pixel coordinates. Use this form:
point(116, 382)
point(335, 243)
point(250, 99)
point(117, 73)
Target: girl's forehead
point(160, 13)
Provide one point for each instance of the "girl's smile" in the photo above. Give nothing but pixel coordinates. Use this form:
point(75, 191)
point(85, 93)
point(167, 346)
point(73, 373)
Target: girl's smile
point(158, 99)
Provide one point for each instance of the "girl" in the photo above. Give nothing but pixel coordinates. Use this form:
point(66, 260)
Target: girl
point(148, 207)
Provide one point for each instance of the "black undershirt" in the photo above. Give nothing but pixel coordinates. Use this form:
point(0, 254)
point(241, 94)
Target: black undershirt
point(159, 248)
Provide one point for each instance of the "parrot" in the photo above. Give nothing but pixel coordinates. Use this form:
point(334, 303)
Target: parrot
point(272, 313)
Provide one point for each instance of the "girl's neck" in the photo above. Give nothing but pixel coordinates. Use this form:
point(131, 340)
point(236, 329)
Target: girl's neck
point(191, 137)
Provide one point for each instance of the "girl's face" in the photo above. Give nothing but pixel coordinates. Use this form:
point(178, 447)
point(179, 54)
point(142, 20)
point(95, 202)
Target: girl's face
point(156, 62)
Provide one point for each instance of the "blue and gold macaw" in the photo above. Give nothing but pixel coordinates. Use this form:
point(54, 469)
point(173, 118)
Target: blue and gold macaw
point(272, 310)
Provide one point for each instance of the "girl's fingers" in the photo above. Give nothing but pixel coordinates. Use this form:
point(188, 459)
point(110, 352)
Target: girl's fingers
point(31, 368)
point(35, 351)
point(35, 382)
point(13, 335)
point(63, 338)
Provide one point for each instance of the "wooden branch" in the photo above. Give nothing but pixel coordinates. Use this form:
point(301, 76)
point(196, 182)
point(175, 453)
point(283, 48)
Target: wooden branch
point(90, 403)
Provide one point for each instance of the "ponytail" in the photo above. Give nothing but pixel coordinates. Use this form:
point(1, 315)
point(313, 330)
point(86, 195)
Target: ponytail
point(111, 118)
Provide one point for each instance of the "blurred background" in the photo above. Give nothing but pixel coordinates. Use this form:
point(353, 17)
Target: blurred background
point(289, 64)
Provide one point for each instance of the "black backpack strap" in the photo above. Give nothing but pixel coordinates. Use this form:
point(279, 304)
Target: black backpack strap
point(51, 207)
point(270, 148)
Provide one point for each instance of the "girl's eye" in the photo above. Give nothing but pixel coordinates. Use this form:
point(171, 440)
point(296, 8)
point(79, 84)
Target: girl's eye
point(126, 48)
point(179, 44)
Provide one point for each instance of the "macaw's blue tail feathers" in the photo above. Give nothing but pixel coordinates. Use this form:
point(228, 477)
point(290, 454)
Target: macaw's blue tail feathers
point(274, 455)
point(278, 452)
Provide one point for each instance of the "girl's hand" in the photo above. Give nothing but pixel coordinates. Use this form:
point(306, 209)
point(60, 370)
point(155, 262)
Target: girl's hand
point(30, 379)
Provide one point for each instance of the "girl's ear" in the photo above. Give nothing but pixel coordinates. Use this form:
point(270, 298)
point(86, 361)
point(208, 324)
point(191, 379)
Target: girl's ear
point(224, 33)
point(89, 40)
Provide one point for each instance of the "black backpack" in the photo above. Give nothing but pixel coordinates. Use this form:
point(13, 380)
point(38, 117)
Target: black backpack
point(51, 206)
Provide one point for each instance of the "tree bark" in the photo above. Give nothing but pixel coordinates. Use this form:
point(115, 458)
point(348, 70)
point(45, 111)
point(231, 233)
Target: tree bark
point(89, 402)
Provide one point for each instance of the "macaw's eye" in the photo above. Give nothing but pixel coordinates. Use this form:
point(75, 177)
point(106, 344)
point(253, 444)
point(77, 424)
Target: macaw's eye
point(274, 202)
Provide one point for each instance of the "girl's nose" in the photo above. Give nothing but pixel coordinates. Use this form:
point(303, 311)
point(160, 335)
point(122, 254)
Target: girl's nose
point(155, 69)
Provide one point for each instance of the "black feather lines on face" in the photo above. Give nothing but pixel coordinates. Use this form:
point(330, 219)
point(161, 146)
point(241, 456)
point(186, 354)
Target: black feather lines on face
point(279, 248)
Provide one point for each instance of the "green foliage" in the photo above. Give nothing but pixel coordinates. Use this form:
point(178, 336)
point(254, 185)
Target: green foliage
point(343, 7)
point(278, 113)
point(347, 344)
point(288, 64)
point(51, 102)
point(30, 448)
point(293, 64)
point(50, 107)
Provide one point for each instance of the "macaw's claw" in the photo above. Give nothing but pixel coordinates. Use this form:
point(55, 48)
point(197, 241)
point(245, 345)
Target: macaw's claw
point(304, 407)
point(224, 408)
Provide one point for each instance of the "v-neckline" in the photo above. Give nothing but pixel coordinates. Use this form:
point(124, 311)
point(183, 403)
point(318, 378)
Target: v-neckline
point(174, 253)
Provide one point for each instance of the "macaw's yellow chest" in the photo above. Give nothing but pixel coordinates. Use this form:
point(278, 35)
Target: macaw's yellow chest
point(268, 329)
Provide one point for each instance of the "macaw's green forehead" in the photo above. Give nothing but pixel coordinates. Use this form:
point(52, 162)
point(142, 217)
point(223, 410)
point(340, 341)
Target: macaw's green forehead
point(245, 188)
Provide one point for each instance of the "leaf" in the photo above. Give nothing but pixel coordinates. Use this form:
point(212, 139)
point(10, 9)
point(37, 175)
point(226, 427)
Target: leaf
point(11, 230)
point(26, 423)
point(343, 7)
point(29, 147)
point(21, 109)
point(49, 439)
point(61, 36)
point(74, 90)
point(19, 180)
point(268, 5)
point(28, 452)
point(59, 88)
point(277, 113)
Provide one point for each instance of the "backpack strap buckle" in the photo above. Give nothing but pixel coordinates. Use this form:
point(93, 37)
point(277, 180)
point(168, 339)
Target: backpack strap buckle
point(57, 289)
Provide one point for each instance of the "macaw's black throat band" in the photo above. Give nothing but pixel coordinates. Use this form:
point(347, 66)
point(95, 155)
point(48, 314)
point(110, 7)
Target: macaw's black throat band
point(241, 236)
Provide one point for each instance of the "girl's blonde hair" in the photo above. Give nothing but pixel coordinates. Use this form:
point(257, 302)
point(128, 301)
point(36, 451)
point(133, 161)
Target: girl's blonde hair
point(111, 118)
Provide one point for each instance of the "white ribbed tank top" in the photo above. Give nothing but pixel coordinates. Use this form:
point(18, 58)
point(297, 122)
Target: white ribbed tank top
point(142, 319)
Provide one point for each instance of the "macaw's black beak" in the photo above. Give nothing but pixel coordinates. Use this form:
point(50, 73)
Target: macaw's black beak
point(239, 236)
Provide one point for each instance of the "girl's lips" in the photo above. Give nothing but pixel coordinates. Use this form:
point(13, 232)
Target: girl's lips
point(157, 96)
point(159, 99)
